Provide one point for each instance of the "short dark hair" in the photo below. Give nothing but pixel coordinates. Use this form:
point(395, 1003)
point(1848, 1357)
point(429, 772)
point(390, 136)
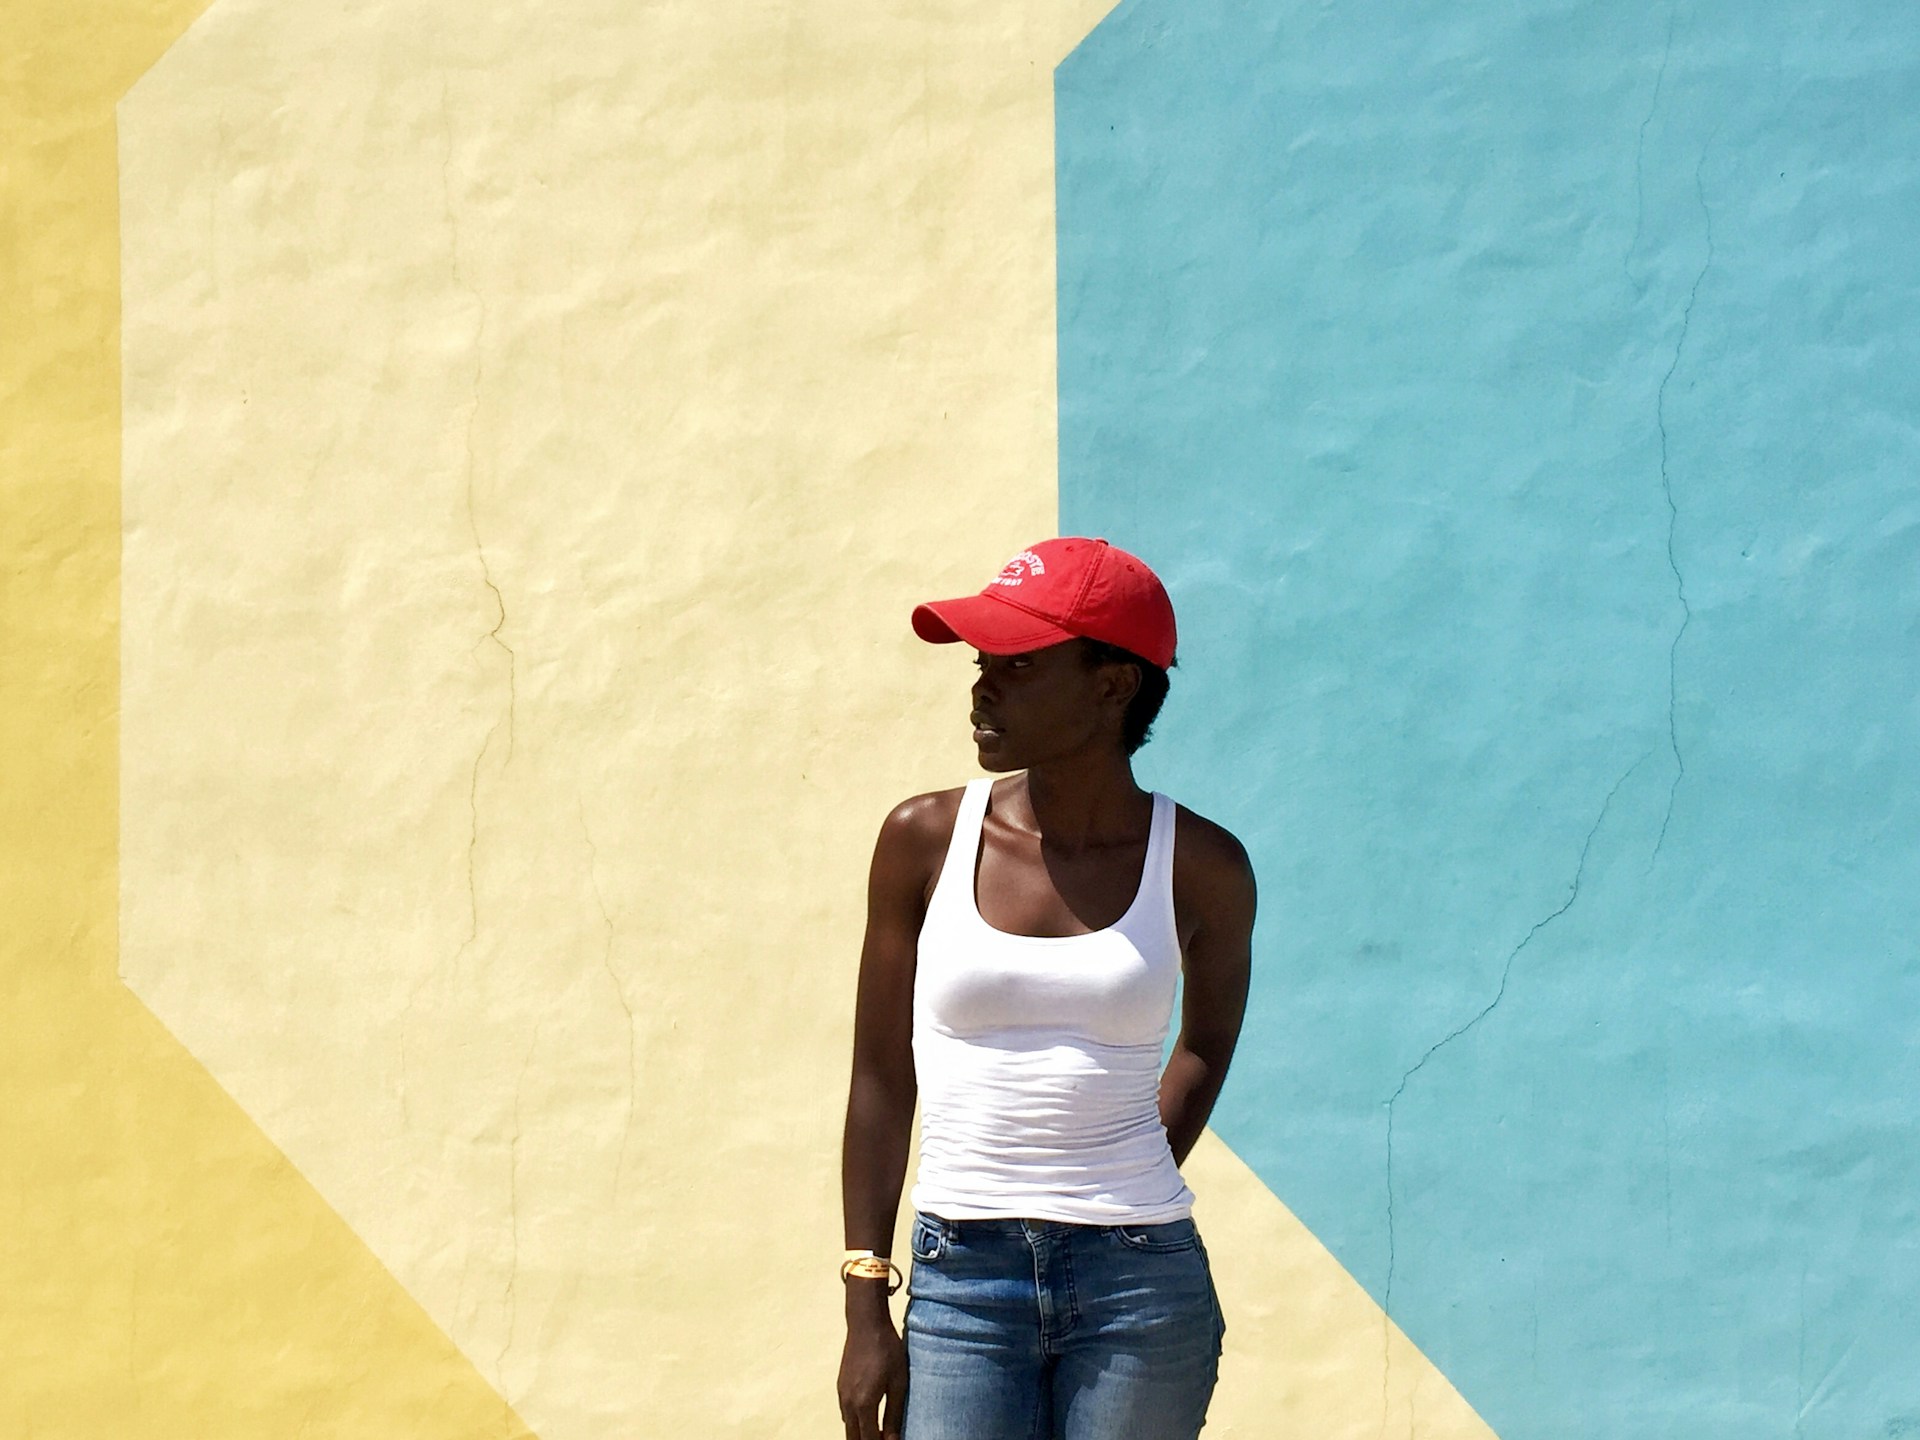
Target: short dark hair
point(1137, 725)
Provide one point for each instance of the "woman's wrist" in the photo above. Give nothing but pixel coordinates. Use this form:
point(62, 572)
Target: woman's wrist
point(869, 1278)
point(869, 1319)
point(867, 1265)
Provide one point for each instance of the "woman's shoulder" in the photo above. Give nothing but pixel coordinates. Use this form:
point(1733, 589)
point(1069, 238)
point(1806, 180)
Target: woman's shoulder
point(912, 848)
point(924, 820)
point(1208, 853)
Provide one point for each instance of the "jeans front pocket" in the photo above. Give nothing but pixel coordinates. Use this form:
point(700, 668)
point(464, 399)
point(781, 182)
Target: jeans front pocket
point(1168, 1239)
point(929, 1238)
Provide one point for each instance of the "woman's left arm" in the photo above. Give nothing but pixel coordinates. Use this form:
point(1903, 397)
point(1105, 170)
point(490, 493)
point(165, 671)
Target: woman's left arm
point(1216, 889)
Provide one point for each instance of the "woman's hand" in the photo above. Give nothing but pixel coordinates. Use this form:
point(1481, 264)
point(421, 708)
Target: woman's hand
point(873, 1368)
point(880, 1100)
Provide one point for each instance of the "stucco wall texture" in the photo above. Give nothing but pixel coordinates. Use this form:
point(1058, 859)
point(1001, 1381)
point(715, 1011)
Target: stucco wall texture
point(466, 474)
point(1525, 400)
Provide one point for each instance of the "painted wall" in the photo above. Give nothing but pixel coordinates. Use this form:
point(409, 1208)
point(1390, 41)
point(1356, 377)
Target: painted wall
point(465, 479)
point(1523, 399)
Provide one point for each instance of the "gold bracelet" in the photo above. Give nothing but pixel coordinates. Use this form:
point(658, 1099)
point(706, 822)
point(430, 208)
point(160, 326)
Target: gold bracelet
point(865, 1265)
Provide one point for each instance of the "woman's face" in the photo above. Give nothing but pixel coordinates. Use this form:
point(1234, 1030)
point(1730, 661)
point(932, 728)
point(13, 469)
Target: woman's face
point(1046, 704)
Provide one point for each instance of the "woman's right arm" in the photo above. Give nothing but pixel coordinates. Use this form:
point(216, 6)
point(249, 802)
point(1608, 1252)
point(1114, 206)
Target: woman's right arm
point(880, 1100)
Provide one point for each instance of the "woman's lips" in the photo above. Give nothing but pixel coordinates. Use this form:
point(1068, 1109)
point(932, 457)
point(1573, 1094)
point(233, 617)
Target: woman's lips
point(984, 730)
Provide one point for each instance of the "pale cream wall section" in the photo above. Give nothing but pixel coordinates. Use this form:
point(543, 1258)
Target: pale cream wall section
point(539, 422)
point(537, 426)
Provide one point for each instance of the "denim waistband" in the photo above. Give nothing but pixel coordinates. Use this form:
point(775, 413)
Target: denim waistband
point(982, 1228)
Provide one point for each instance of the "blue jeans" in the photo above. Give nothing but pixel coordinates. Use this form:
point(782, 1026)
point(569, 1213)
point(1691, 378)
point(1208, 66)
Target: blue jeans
point(1035, 1330)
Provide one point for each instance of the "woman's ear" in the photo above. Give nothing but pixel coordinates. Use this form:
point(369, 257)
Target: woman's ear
point(1122, 682)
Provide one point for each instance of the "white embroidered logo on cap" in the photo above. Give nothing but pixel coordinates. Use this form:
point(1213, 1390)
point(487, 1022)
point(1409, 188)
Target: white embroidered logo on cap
point(1018, 568)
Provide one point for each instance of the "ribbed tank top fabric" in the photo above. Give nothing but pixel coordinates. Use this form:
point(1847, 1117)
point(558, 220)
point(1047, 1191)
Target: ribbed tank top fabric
point(1038, 1057)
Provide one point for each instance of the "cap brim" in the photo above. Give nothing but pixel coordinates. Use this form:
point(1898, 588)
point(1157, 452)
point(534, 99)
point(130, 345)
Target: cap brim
point(987, 624)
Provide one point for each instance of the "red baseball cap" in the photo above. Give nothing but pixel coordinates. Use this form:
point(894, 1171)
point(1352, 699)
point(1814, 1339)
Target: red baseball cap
point(1060, 590)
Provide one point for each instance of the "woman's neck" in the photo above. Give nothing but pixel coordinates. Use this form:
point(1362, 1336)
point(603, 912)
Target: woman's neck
point(1081, 802)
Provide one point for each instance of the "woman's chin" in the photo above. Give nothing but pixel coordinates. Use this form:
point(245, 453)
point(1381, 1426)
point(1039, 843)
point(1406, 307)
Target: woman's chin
point(994, 757)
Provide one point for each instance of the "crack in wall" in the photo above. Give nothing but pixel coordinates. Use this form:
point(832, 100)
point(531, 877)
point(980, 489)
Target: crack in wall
point(473, 844)
point(473, 411)
point(620, 992)
point(1506, 973)
point(473, 925)
point(476, 384)
point(1800, 1401)
point(1673, 510)
point(1666, 1137)
point(1640, 158)
point(510, 1300)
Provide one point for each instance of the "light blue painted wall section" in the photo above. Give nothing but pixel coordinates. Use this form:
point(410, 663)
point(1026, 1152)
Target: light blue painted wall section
point(1524, 403)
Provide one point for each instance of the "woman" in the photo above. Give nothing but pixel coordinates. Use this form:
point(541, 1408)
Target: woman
point(1023, 940)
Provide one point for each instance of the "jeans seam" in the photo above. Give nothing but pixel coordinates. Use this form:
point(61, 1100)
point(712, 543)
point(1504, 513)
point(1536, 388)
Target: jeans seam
point(1213, 1299)
point(1073, 1295)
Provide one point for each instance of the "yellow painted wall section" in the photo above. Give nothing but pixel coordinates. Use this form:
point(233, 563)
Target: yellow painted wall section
point(165, 1271)
point(537, 426)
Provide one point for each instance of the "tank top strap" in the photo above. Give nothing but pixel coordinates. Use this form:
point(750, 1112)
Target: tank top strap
point(956, 872)
point(1160, 844)
point(1155, 909)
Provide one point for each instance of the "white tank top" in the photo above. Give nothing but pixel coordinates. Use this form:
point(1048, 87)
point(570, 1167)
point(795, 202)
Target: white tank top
point(1039, 1057)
